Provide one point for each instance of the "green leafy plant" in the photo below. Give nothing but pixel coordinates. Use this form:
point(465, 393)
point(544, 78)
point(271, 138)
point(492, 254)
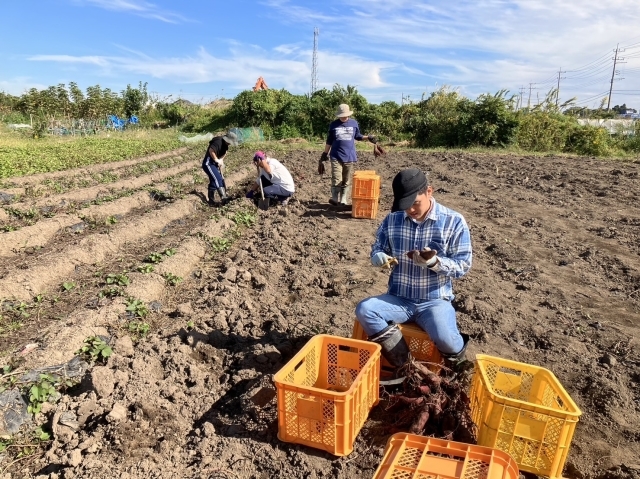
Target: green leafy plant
point(220, 245)
point(145, 268)
point(118, 279)
point(169, 252)
point(111, 220)
point(110, 292)
point(40, 392)
point(171, 279)
point(136, 308)
point(244, 218)
point(94, 349)
point(138, 329)
point(68, 285)
point(154, 258)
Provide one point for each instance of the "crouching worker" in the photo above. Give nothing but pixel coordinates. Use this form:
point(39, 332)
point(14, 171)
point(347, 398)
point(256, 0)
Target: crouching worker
point(277, 182)
point(432, 245)
point(213, 165)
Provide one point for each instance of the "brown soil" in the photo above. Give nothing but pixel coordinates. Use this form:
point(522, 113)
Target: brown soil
point(555, 282)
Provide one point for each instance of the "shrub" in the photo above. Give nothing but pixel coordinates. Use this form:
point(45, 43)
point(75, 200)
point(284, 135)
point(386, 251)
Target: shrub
point(589, 140)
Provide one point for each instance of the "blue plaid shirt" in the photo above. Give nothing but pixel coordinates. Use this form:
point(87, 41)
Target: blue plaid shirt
point(444, 231)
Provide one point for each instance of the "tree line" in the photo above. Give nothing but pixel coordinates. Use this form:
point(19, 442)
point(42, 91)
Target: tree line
point(444, 118)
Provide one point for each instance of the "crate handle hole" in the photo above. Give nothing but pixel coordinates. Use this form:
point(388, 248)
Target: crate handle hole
point(511, 371)
point(349, 349)
point(299, 365)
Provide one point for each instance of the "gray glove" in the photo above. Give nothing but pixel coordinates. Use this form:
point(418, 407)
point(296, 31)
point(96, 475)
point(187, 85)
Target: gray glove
point(372, 139)
point(379, 259)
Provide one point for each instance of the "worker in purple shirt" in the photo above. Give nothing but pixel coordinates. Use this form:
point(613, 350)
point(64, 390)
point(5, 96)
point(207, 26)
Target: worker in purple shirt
point(341, 149)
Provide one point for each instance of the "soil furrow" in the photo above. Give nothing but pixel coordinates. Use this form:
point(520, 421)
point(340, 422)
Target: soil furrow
point(49, 271)
point(93, 192)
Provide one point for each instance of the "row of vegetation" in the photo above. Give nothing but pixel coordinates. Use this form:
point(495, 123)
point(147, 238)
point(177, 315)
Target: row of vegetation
point(443, 119)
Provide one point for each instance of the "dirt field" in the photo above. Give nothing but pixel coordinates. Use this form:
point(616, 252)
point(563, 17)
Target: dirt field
point(555, 282)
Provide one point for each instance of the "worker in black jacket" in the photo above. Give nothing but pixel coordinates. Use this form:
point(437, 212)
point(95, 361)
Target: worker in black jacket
point(213, 165)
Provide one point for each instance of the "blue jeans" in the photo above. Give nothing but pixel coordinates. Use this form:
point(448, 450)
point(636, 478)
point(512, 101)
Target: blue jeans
point(273, 191)
point(437, 317)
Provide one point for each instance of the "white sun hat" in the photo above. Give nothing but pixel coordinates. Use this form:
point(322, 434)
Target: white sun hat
point(343, 111)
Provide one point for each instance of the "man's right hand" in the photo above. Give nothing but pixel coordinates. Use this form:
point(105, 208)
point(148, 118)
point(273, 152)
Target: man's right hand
point(380, 259)
point(324, 156)
point(320, 168)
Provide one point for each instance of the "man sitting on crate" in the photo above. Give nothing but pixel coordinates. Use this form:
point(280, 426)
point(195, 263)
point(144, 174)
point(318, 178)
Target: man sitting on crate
point(431, 245)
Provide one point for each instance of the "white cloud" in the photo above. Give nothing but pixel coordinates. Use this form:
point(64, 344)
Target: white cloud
point(136, 7)
point(282, 67)
point(480, 45)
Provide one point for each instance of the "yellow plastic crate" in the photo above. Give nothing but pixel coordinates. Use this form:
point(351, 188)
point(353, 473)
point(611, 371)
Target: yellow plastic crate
point(523, 410)
point(410, 456)
point(364, 208)
point(365, 187)
point(326, 391)
point(420, 344)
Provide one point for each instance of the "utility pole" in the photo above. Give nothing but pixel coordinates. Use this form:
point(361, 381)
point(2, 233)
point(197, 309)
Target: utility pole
point(314, 62)
point(521, 97)
point(560, 72)
point(530, 88)
point(616, 60)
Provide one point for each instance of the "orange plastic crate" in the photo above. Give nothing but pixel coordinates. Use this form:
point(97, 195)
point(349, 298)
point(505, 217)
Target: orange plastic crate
point(364, 208)
point(410, 456)
point(419, 342)
point(326, 391)
point(366, 187)
point(523, 410)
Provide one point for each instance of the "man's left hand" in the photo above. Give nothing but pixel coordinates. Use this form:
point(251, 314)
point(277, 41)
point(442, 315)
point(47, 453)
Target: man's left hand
point(427, 258)
point(372, 139)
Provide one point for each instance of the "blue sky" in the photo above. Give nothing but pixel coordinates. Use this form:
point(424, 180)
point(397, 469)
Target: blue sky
point(201, 50)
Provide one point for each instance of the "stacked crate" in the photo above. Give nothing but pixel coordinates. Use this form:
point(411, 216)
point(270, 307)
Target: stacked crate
point(365, 194)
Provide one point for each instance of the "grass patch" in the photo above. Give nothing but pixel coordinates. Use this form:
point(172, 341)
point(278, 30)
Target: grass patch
point(24, 156)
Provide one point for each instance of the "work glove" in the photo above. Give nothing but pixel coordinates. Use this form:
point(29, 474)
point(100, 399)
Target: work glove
point(321, 167)
point(427, 258)
point(250, 194)
point(324, 156)
point(372, 139)
point(380, 259)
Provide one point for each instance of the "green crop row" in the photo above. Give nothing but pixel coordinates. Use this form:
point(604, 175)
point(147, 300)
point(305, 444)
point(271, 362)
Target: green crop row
point(25, 156)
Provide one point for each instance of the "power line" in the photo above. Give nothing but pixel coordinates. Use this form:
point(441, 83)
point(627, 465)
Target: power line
point(520, 98)
point(530, 88)
point(314, 62)
point(613, 74)
point(560, 72)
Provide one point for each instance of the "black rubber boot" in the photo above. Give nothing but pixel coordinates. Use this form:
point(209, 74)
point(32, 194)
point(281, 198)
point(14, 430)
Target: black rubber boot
point(211, 197)
point(458, 362)
point(223, 195)
point(394, 348)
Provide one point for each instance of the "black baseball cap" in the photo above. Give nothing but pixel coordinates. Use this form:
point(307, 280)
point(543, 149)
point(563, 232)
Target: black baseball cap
point(406, 186)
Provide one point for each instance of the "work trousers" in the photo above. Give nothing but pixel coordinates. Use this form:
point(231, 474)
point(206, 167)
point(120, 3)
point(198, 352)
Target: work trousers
point(437, 317)
point(211, 168)
point(341, 173)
